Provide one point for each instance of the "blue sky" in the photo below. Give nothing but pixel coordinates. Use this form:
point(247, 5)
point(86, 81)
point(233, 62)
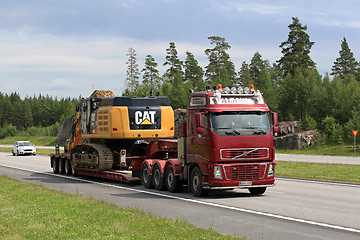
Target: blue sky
point(71, 47)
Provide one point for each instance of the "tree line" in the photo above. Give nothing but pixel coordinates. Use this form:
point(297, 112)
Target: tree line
point(37, 115)
point(292, 86)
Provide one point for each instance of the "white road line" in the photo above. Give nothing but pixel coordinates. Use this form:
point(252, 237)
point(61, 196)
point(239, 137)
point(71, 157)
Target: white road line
point(197, 201)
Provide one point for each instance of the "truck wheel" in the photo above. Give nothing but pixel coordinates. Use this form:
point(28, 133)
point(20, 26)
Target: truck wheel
point(196, 183)
point(68, 169)
point(257, 190)
point(172, 182)
point(145, 176)
point(73, 170)
point(13, 153)
point(55, 165)
point(62, 166)
point(157, 178)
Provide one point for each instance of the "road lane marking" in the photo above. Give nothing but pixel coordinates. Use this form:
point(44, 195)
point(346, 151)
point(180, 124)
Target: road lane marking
point(195, 201)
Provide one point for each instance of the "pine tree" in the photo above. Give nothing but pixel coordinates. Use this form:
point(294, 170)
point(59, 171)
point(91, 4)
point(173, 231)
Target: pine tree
point(193, 72)
point(150, 74)
point(345, 64)
point(132, 72)
point(244, 75)
point(256, 66)
point(296, 49)
point(174, 62)
point(220, 68)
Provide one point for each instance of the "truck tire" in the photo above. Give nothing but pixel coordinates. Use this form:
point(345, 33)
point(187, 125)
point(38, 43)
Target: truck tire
point(257, 190)
point(68, 169)
point(13, 153)
point(172, 182)
point(55, 165)
point(62, 166)
point(196, 183)
point(158, 180)
point(73, 170)
point(146, 180)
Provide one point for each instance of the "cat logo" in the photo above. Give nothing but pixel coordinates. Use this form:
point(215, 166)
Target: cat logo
point(145, 118)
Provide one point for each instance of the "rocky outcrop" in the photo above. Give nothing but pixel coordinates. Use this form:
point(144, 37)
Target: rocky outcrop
point(288, 128)
point(296, 140)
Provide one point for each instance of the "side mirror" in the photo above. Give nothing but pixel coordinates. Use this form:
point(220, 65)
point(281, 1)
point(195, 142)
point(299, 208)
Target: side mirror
point(200, 130)
point(199, 120)
point(276, 129)
point(275, 118)
point(275, 123)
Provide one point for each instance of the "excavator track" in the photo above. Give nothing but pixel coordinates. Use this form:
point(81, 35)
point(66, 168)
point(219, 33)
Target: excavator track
point(92, 156)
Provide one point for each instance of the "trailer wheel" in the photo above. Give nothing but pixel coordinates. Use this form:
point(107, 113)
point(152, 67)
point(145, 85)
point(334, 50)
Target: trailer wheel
point(157, 178)
point(146, 180)
point(73, 170)
point(173, 183)
point(257, 190)
point(62, 166)
point(55, 165)
point(196, 183)
point(68, 169)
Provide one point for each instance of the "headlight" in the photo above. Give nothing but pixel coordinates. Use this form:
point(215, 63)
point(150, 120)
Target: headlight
point(227, 90)
point(233, 90)
point(271, 170)
point(217, 172)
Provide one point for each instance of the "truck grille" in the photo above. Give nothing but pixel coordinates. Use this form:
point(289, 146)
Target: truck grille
point(245, 153)
point(248, 172)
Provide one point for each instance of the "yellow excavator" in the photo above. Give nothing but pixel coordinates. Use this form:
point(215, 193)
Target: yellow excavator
point(108, 129)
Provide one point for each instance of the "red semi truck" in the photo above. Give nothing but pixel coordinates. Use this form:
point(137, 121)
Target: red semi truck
point(226, 142)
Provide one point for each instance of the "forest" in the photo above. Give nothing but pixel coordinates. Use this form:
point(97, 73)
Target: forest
point(292, 87)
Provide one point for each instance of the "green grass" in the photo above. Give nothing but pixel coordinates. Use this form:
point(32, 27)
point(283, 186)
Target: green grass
point(331, 172)
point(38, 151)
point(331, 150)
point(39, 141)
point(34, 212)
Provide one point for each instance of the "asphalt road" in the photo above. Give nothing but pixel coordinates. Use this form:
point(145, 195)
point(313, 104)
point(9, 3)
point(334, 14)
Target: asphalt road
point(290, 210)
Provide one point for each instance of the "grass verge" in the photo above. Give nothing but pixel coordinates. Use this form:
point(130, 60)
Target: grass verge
point(38, 151)
point(331, 150)
point(34, 212)
point(331, 172)
point(36, 140)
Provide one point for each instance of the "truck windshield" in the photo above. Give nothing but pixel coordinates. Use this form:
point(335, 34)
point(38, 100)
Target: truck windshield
point(240, 123)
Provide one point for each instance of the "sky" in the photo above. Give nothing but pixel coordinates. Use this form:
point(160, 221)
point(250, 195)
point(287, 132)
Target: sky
point(69, 48)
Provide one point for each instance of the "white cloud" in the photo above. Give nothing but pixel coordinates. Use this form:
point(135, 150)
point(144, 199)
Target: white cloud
point(61, 83)
point(261, 8)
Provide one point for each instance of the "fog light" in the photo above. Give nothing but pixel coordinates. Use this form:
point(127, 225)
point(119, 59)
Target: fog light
point(271, 170)
point(217, 172)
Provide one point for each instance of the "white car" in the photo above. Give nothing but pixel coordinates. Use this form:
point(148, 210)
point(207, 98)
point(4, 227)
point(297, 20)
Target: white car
point(23, 148)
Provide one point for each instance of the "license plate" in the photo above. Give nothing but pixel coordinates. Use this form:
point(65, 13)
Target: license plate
point(245, 183)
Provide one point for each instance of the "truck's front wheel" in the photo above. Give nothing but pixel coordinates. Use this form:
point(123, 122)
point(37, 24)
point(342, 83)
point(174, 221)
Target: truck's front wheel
point(257, 190)
point(196, 183)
